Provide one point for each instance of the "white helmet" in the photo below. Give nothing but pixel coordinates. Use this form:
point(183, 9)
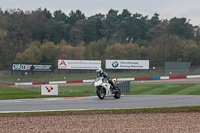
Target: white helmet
point(99, 71)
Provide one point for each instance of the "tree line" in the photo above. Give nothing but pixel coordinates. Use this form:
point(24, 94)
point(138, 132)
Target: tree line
point(40, 36)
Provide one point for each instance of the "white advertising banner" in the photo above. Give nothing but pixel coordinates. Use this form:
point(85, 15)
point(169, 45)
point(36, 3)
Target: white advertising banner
point(79, 64)
point(127, 64)
point(49, 89)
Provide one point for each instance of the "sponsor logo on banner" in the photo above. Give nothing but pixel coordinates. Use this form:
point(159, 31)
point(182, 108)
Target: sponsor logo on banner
point(35, 67)
point(79, 64)
point(62, 63)
point(49, 89)
point(115, 64)
point(21, 67)
point(127, 64)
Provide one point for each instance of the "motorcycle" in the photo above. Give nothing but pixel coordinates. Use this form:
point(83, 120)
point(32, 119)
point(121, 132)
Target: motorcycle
point(104, 89)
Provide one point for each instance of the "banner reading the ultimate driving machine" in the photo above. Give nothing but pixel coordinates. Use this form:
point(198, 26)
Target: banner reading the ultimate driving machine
point(127, 64)
point(79, 64)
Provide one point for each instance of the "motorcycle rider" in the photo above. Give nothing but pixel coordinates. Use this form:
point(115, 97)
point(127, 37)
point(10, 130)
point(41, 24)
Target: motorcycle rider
point(101, 73)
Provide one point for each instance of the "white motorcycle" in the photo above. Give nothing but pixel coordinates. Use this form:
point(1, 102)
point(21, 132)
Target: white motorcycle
point(105, 89)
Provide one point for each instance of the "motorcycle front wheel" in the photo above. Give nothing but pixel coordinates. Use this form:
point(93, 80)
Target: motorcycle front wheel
point(117, 93)
point(101, 92)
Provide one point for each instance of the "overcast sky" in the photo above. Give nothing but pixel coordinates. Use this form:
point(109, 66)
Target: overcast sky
point(167, 9)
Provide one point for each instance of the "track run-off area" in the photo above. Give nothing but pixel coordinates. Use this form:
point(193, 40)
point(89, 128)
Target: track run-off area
point(93, 102)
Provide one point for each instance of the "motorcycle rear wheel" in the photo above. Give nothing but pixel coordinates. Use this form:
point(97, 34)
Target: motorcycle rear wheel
point(101, 92)
point(117, 93)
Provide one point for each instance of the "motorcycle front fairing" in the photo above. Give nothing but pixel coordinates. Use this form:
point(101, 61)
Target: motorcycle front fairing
point(107, 87)
point(100, 81)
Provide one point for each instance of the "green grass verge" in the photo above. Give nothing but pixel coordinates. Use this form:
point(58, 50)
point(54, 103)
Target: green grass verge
point(143, 110)
point(23, 93)
point(166, 89)
point(77, 91)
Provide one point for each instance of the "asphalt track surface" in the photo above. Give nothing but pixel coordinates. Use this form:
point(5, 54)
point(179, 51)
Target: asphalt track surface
point(89, 103)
